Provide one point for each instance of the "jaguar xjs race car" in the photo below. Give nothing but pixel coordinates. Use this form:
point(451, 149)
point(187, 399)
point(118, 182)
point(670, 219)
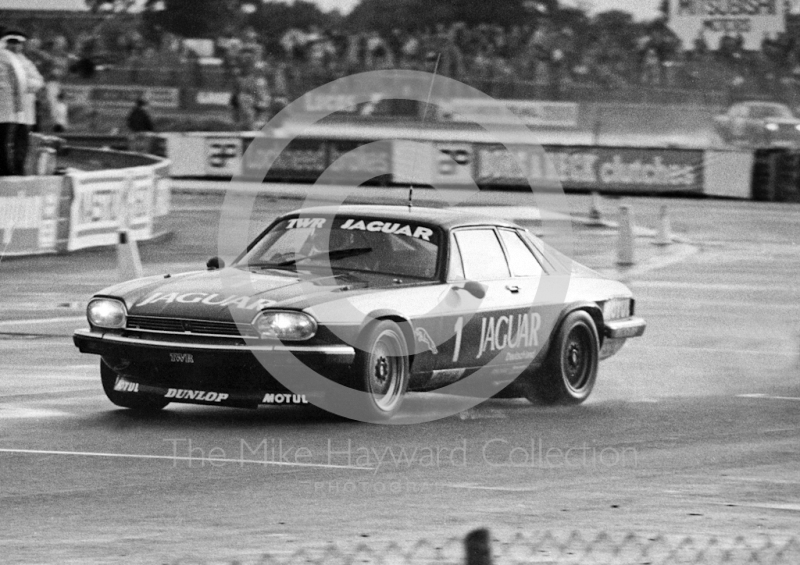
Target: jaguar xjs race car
point(381, 300)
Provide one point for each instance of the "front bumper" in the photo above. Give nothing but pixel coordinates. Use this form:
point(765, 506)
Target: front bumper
point(88, 341)
point(242, 371)
point(625, 328)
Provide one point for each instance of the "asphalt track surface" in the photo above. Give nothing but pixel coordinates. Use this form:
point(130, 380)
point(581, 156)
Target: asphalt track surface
point(691, 430)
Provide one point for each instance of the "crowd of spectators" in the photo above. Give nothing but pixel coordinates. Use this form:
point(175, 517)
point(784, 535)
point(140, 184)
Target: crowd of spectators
point(551, 57)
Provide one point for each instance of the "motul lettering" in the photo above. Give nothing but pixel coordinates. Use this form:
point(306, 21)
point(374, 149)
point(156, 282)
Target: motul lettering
point(201, 395)
point(126, 386)
point(284, 399)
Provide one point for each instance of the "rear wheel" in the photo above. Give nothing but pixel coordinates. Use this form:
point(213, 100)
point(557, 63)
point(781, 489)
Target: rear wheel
point(570, 371)
point(140, 402)
point(382, 368)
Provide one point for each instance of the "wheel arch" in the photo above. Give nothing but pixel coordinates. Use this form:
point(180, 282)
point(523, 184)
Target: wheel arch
point(590, 308)
point(406, 326)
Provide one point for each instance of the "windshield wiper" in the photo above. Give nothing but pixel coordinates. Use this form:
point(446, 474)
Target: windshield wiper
point(335, 254)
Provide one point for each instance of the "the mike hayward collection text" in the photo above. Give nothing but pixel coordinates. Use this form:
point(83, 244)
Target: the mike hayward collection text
point(531, 452)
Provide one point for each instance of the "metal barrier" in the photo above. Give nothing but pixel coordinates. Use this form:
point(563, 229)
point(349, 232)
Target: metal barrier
point(479, 548)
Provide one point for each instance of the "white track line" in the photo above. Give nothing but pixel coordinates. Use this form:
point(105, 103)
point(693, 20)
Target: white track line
point(43, 320)
point(680, 285)
point(725, 350)
point(182, 458)
point(767, 396)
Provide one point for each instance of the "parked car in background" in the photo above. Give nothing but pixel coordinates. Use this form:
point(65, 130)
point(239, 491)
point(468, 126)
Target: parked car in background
point(759, 124)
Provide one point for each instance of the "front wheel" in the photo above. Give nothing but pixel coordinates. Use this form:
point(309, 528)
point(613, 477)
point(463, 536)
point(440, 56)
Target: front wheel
point(570, 370)
point(382, 368)
point(133, 400)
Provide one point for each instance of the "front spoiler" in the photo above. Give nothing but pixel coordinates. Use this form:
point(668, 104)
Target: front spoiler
point(623, 329)
point(215, 397)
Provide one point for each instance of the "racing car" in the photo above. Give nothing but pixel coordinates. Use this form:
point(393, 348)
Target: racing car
point(376, 300)
point(759, 123)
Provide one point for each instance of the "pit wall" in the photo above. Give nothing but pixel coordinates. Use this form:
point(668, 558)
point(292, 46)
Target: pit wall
point(82, 209)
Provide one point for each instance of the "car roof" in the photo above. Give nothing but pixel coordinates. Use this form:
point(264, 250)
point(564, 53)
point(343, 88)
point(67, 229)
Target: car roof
point(764, 104)
point(443, 217)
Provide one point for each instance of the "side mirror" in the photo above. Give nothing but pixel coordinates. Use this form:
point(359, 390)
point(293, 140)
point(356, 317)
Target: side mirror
point(476, 289)
point(214, 263)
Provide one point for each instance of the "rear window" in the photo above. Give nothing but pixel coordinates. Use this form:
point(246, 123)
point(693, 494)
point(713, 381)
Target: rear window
point(520, 258)
point(482, 254)
point(770, 111)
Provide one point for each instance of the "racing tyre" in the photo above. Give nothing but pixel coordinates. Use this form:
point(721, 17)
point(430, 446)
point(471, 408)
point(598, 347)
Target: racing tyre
point(570, 370)
point(382, 368)
point(143, 403)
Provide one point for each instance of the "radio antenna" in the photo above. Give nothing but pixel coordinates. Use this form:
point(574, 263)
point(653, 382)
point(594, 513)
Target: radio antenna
point(424, 116)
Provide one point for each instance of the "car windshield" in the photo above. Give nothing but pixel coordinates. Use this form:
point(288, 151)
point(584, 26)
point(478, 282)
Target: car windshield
point(770, 111)
point(366, 244)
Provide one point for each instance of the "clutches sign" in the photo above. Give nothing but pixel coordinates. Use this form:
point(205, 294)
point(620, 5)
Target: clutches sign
point(594, 167)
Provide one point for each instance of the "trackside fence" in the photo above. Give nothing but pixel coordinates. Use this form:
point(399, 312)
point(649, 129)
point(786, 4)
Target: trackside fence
point(481, 548)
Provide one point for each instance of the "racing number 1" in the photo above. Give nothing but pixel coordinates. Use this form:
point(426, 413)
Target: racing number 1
point(459, 329)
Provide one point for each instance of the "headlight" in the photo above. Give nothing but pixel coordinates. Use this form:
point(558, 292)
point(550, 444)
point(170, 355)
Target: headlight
point(772, 127)
point(106, 313)
point(617, 308)
point(286, 325)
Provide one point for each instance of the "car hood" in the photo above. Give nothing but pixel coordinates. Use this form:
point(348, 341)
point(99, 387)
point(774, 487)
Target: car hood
point(214, 294)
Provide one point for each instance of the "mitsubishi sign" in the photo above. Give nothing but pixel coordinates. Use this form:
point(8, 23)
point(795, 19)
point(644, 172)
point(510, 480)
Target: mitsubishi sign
point(750, 18)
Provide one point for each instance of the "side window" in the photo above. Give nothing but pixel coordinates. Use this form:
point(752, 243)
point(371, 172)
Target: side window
point(521, 260)
point(482, 255)
point(455, 267)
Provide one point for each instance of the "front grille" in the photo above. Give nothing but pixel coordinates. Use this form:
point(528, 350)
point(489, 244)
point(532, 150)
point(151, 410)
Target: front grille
point(182, 326)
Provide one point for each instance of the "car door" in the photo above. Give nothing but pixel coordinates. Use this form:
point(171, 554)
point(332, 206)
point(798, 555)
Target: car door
point(472, 331)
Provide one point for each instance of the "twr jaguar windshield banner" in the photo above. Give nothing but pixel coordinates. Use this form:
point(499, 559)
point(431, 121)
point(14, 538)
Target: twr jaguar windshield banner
point(382, 225)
